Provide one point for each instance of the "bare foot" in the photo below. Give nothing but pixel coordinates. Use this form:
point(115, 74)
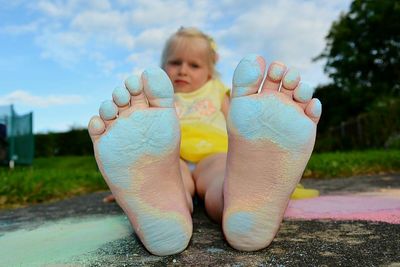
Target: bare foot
point(271, 137)
point(136, 145)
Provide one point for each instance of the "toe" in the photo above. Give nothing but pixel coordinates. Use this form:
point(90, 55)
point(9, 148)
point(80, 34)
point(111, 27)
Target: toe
point(108, 110)
point(303, 92)
point(274, 76)
point(121, 98)
point(135, 87)
point(248, 75)
point(158, 88)
point(314, 110)
point(96, 126)
point(290, 81)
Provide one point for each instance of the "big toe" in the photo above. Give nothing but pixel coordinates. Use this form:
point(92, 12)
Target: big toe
point(248, 75)
point(158, 88)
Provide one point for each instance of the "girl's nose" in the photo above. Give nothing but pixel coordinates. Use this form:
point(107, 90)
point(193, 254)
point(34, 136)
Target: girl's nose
point(183, 69)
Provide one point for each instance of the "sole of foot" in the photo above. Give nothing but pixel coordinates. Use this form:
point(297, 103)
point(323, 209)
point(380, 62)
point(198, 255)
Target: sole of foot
point(136, 145)
point(271, 136)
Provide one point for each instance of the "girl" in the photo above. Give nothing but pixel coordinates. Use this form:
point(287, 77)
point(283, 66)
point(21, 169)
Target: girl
point(202, 104)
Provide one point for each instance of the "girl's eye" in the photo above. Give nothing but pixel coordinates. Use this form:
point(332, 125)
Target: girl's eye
point(175, 62)
point(194, 65)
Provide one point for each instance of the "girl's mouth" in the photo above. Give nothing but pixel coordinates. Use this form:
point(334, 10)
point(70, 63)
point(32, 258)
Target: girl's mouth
point(180, 82)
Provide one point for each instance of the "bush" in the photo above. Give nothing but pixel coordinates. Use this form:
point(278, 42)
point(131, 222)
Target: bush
point(369, 130)
point(74, 142)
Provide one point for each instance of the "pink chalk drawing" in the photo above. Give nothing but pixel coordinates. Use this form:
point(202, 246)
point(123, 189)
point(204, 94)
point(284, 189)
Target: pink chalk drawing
point(372, 207)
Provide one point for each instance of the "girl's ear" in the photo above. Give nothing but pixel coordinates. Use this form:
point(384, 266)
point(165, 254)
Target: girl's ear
point(216, 57)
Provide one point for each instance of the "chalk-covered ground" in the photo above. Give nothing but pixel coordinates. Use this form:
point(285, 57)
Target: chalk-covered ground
point(355, 222)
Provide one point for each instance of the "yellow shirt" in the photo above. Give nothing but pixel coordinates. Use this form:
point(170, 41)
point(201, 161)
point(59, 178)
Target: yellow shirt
point(203, 125)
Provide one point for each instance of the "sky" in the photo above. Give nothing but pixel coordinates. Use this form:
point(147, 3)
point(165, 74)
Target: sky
point(62, 58)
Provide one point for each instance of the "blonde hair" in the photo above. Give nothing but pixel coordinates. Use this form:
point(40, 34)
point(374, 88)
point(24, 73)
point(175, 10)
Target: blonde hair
point(184, 33)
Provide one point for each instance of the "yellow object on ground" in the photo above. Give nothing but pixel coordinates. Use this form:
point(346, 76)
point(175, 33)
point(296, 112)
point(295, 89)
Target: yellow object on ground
point(301, 192)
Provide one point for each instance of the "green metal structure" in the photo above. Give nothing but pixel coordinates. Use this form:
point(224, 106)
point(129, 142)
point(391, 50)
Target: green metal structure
point(18, 147)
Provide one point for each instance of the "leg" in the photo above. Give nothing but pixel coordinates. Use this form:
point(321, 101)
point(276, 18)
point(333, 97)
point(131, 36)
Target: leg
point(136, 146)
point(209, 176)
point(271, 137)
point(187, 182)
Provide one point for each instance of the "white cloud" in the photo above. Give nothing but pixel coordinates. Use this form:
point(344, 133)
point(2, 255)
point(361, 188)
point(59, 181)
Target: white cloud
point(153, 13)
point(67, 8)
point(152, 38)
point(143, 60)
point(106, 28)
point(99, 4)
point(27, 99)
point(65, 48)
point(288, 30)
point(21, 28)
point(104, 63)
point(99, 22)
point(53, 9)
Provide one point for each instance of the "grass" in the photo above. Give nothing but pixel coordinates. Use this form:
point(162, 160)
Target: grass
point(56, 178)
point(49, 179)
point(353, 163)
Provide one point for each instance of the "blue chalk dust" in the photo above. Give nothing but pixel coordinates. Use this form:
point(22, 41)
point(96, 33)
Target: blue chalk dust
point(121, 96)
point(164, 235)
point(246, 74)
point(159, 85)
point(134, 84)
point(291, 76)
point(277, 72)
point(240, 223)
point(316, 108)
point(303, 92)
point(144, 132)
point(108, 110)
point(266, 117)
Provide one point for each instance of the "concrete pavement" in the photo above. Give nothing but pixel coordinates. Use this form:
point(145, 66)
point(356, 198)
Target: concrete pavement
point(83, 231)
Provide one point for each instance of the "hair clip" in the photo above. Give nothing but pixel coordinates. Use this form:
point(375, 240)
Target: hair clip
point(213, 45)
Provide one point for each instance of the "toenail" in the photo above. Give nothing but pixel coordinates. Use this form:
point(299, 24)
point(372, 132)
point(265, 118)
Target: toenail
point(96, 126)
point(247, 72)
point(303, 92)
point(134, 85)
point(108, 110)
point(316, 108)
point(276, 71)
point(292, 76)
point(121, 96)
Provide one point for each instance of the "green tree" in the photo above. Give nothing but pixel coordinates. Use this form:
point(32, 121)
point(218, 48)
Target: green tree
point(363, 52)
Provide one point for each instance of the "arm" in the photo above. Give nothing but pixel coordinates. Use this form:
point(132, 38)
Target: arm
point(225, 106)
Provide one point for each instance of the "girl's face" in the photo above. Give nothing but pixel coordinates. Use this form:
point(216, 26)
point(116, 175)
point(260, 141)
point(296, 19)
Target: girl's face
point(188, 67)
